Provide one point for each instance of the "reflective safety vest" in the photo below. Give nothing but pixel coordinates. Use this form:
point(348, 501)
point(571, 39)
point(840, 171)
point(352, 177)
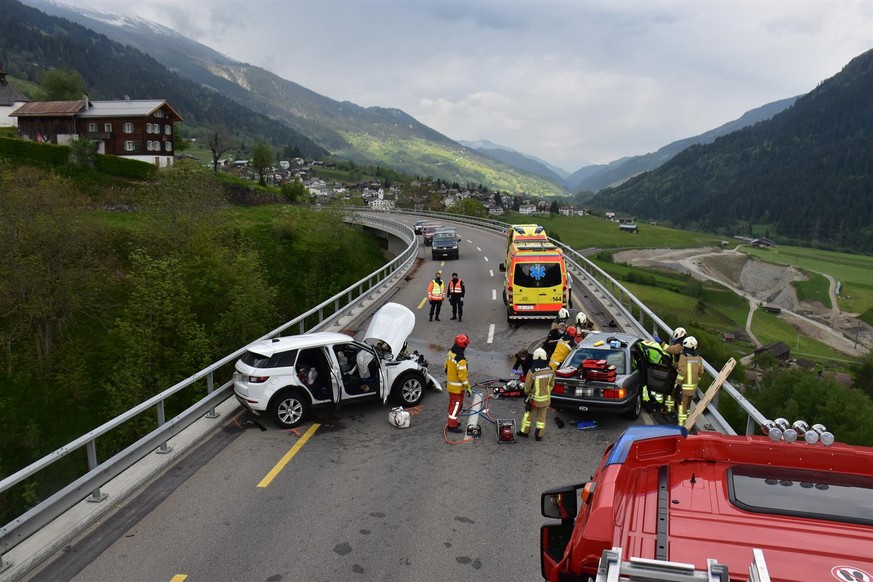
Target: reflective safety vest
point(456, 372)
point(690, 369)
point(656, 354)
point(456, 287)
point(436, 291)
point(560, 354)
point(538, 386)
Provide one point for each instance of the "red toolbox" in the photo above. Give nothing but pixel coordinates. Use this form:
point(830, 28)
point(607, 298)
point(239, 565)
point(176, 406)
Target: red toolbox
point(598, 371)
point(594, 364)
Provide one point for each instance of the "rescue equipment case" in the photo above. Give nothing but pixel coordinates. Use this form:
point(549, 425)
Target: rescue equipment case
point(598, 371)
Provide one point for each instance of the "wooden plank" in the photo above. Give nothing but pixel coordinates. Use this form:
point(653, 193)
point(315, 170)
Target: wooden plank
point(710, 394)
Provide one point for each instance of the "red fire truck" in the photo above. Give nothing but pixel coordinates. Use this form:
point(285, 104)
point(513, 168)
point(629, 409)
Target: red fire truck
point(794, 507)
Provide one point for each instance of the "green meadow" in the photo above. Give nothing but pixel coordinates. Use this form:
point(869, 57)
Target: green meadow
point(708, 307)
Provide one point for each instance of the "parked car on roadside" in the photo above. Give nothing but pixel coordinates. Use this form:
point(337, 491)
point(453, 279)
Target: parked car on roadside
point(285, 377)
point(606, 373)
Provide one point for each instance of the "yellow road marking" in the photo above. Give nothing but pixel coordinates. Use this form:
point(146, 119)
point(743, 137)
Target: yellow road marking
point(288, 456)
point(420, 305)
point(443, 264)
point(179, 578)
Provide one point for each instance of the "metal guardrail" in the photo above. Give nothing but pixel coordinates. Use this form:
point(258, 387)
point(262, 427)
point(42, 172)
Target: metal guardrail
point(100, 473)
point(324, 314)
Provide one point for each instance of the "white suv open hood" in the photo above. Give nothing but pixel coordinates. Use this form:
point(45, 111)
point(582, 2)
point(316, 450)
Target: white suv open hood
point(392, 324)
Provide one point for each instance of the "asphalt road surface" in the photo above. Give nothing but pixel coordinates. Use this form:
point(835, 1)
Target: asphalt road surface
point(360, 499)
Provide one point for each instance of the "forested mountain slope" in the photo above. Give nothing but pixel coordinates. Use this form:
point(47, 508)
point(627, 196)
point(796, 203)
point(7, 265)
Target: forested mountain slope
point(379, 136)
point(32, 42)
point(806, 174)
point(617, 172)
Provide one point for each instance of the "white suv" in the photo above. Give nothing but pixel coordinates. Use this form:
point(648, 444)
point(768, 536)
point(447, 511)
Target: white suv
point(287, 376)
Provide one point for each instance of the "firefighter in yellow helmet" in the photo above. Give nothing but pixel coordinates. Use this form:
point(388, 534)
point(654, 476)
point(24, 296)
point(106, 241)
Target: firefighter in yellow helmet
point(538, 387)
point(690, 369)
point(563, 348)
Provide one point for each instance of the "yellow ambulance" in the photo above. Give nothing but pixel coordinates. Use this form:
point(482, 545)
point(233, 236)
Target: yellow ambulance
point(535, 284)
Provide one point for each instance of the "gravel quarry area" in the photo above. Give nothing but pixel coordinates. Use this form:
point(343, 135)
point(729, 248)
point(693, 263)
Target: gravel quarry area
point(761, 283)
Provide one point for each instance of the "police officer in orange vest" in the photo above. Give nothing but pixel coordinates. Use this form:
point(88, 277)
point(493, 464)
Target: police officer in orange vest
point(456, 297)
point(436, 292)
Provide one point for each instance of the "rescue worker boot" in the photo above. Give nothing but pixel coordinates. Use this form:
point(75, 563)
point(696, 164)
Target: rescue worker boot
point(540, 435)
point(521, 434)
point(682, 416)
point(456, 429)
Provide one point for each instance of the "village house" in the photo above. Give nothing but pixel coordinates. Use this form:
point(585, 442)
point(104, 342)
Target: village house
point(136, 129)
point(762, 243)
point(526, 209)
point(10, 100)
point(780, 350)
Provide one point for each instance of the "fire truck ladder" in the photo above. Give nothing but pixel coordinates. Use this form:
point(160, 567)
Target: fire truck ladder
point(613, 569)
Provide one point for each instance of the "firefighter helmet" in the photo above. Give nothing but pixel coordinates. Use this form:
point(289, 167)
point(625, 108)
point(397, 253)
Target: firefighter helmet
point(462, 340)
point(571, 331)
point(540, 354)
point(679, 333)
point(581, 319)
point(690, 342)
point(563, 314)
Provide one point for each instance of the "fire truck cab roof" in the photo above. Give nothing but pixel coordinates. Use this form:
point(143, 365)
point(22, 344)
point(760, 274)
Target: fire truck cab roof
point(662, 494)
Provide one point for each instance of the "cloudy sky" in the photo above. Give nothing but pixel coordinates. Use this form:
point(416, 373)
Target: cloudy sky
point(571, 82)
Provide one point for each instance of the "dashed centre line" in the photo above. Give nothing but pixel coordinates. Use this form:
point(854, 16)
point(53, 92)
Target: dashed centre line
point(490, 333)
point(494, 295)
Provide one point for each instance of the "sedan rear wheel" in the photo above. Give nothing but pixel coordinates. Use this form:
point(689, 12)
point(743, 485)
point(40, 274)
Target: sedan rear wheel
point(289, 409)
point(409, 389)
point(634, 413)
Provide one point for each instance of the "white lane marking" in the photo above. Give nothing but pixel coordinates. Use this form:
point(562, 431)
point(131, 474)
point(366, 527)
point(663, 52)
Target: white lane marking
point(490, 333)
point(494, 295)
point(491, 272)
point(471, 242)
point(486, 259)
point(478, 249)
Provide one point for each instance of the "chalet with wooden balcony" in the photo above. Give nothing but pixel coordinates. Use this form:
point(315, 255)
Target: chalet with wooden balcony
point(137, 129)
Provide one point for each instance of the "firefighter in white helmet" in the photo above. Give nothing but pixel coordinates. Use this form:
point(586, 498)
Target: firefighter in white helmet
point(674, 348)
point(690, 371)
point(583, 325)
point(538, 387)
point(562, 317)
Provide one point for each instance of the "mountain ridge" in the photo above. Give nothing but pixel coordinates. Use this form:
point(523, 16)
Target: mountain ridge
point(804, 175)
point(373, 135)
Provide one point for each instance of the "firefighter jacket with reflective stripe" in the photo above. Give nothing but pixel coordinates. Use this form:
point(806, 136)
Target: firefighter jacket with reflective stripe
point(456, 371)
point(538, 386)
point(690, 370)
point(675, 350)
point(436, 291)
point(456, 288)
point(560, 354)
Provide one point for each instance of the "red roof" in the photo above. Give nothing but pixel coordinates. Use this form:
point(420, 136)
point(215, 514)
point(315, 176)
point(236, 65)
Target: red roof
point(49, 109)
